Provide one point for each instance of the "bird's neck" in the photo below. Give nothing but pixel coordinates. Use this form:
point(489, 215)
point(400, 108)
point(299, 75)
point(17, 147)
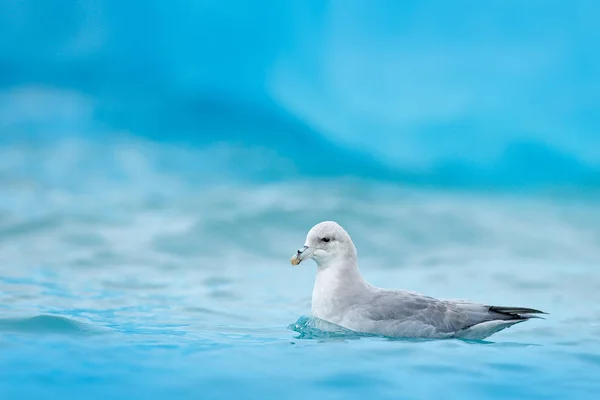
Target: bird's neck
point(336, 286)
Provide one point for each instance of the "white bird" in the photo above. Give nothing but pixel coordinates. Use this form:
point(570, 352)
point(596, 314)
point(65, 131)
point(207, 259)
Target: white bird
point(343, 297)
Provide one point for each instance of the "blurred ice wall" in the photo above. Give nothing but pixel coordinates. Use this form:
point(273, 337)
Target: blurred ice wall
point(493, 93)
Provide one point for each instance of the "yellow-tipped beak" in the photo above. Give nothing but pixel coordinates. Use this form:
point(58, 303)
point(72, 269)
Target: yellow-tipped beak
point(302, 254)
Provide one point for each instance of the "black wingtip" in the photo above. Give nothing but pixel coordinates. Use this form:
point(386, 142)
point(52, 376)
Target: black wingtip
point(517, 311)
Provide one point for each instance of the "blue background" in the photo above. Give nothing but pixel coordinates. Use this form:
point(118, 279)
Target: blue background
point(461, 93)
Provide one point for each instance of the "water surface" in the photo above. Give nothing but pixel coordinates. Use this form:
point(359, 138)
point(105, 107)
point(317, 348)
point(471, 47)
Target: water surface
point(164, 286)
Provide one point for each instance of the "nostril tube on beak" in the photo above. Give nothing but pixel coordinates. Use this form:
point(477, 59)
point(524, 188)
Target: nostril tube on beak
point(298, 257)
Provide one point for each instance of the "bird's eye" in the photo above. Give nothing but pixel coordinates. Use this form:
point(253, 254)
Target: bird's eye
point(326, 239)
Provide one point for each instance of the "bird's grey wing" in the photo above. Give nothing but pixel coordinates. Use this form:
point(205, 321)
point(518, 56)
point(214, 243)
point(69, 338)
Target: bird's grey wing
point(444, 316)
point(407, 306)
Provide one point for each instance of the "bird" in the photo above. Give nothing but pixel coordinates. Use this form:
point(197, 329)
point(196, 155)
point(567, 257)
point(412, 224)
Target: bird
point(343, 297)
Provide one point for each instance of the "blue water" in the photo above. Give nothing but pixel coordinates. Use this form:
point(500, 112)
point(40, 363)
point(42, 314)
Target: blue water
point(144, 284)
point(160, 162)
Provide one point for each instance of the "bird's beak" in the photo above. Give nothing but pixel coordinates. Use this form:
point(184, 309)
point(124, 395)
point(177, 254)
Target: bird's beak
point(302, 254)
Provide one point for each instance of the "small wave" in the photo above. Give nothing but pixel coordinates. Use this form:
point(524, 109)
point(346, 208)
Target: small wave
point(315, 328)
point(45, 324)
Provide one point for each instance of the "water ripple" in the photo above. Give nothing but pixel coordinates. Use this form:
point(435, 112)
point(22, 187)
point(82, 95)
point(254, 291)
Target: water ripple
point(46, 324)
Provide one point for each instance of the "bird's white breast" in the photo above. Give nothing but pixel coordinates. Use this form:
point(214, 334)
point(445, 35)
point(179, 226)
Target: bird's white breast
point(334, 293)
